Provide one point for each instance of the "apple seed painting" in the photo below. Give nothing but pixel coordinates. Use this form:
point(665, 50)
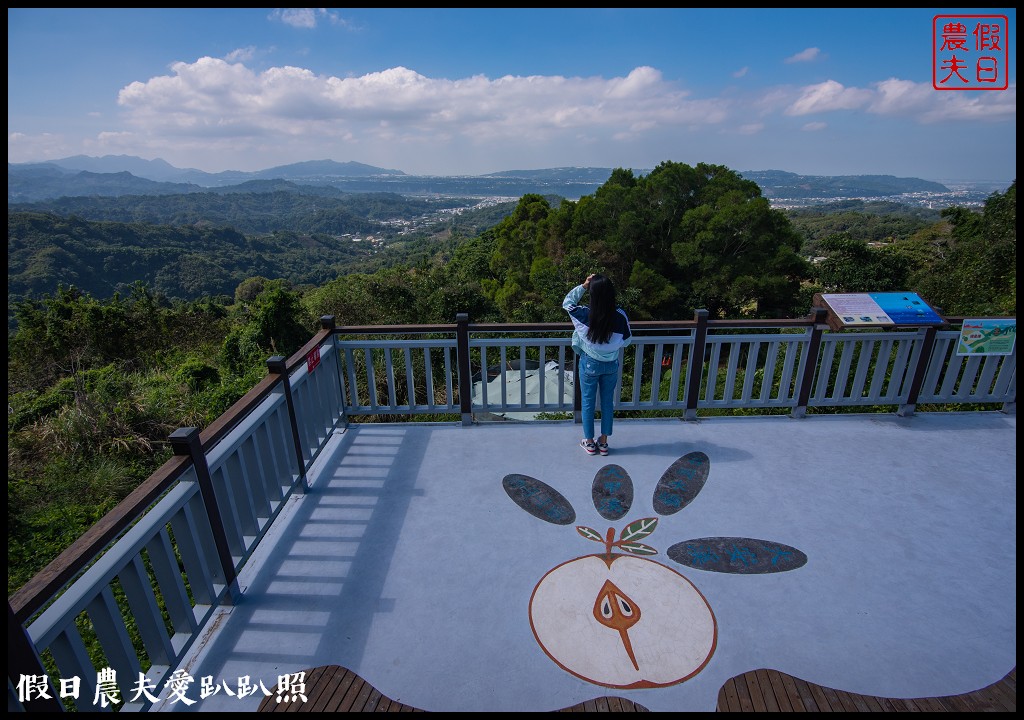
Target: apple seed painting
point(618, 618)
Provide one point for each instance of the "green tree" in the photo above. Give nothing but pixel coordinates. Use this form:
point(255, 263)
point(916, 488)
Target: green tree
point(977, 272)
point(736, 255)
point(852, 266)
point(270, 325)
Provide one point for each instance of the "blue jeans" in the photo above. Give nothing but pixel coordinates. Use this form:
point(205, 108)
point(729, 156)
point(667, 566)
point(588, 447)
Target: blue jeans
point(594, 375)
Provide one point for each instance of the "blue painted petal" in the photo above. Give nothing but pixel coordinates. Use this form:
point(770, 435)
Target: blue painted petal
point(613, 492)
point(539, 499)
point(681, 483)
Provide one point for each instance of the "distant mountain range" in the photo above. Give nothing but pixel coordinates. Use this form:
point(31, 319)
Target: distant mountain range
point(115, 175)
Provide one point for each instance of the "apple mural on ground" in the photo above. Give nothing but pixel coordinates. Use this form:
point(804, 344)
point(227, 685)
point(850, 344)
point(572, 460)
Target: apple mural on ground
point(617, 618)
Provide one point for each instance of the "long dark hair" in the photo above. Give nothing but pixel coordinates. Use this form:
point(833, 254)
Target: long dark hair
point(602, 309)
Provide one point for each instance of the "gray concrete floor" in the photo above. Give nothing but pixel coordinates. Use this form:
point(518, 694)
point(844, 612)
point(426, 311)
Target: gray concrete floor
point(409, 564)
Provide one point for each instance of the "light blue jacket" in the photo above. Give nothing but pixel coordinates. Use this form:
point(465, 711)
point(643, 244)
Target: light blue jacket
point(580, 314)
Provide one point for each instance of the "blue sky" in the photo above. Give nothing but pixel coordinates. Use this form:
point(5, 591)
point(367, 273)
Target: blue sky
point(469, 92)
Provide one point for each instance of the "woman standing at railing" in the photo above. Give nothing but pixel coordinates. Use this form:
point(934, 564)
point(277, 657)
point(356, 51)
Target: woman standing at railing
point(600, 331)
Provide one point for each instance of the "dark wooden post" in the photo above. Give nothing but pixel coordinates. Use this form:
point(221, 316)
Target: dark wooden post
point(803, 390)
point(277, 366)
point(695, 369)
point(186, 441)
point(465, 369)
point(923, 360)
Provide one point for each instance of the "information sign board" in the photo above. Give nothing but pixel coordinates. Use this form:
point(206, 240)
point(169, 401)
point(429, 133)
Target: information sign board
point(987, 337)
point(878, 309)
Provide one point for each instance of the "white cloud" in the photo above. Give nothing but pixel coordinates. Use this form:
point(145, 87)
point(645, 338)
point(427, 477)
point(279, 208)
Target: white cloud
point(807, 55)
point(827, 96)
point(741, 72)
point(23, 147)
point(306, 18)
point(928, 105)
point(993, 106)
point(241, 54)
point(214, 98)
point(899, 98)
point(217, 114)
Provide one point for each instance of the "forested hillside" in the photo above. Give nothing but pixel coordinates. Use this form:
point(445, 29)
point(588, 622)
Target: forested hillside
point(256, 207)
point(192, 259)
point(97, 381)
point(102, 258)
point(872, 222)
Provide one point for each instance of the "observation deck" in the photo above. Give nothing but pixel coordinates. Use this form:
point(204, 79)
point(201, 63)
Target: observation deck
point(447, 562)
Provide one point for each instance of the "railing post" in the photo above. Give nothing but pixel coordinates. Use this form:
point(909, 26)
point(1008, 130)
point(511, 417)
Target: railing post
point(327, 323)
point(277, 366)
point(927, 345)
point(803, 391)
point(465, 370)
point(695, 369)
point(186, 441)
point(1010, 406)
point(22, 661)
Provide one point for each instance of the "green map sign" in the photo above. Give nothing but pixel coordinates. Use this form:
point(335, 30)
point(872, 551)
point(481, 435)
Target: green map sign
point(987, 337)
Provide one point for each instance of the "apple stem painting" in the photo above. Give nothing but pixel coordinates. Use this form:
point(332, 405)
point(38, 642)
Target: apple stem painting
point(614, 609)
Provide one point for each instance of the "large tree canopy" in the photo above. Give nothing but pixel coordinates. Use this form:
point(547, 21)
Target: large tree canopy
point(678, 239)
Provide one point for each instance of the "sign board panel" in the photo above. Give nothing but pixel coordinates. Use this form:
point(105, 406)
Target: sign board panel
point(879, 309)
point(313, 359)
point(987, 337)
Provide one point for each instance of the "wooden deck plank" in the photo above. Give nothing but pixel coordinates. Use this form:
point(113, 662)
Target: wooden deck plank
point(1007, 692)
point(754, 689)
point(743, 693)
point(342, 691)
point(872, 704)
point(905, 705)
point(728, 700)
point(372, 701)
point(340, 677)
point(831, 697)
point(947, 704)
point(929, 705)
point(807, 696)
point(820, 700)
point(851, 702)
point(887, 705)
point(781, 696)
point(965, 703)
point(346, 702)
point(1002, 700)
point(858, 701)
point(793, 693)
point(323, 683)
point(359, 704)
point(771, 702)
